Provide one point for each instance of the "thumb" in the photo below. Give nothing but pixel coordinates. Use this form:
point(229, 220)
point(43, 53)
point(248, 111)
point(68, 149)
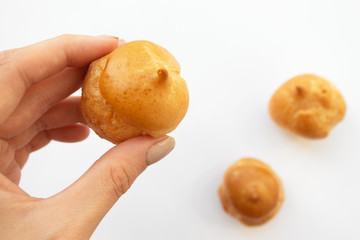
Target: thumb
point(85, 203)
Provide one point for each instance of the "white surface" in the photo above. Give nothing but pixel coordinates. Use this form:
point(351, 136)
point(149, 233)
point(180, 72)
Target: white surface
point(234, 55)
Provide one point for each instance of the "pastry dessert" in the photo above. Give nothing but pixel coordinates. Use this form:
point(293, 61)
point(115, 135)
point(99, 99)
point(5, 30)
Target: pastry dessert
point(136, 89)
point(251, 192)
point(307, 105)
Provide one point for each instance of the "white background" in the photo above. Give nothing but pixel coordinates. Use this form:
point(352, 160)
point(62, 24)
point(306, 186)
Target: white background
point(234, 55)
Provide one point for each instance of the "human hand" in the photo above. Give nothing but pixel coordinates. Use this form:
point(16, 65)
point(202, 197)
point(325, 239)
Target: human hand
point(35, 83)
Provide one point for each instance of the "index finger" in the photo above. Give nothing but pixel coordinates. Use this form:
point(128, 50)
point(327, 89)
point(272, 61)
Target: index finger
point(23, 67)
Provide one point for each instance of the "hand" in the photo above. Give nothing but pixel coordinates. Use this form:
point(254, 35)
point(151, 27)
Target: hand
point(35, 83)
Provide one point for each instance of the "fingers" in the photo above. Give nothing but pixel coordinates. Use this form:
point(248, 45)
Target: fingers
point(87, 201)
point(13, 172)
point(69, 134)
point(72, 133)
point(65, 113)
point(7, 155)
point(51, 56)
point(20, 68)
point(39, 98)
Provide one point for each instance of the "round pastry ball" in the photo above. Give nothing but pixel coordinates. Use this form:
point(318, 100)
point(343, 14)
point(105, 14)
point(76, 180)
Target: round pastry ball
point(307, 105)
point(135, 90)
point(251, 192)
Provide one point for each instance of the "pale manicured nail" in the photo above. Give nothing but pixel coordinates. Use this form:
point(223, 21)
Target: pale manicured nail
point(108, 36)
point(121, 42)
point(159, 150)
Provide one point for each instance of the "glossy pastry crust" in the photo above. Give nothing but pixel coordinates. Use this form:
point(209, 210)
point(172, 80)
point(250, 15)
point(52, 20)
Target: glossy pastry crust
point(251, 192)
point(307, 105)
point(137, 89)
point(98, 113)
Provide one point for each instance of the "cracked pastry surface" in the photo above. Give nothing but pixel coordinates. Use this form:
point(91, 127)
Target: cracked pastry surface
point(136, 89)
point(251, 192)
point(307, 105)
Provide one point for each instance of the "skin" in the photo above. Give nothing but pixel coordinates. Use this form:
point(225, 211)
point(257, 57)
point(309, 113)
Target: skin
point(35, 108)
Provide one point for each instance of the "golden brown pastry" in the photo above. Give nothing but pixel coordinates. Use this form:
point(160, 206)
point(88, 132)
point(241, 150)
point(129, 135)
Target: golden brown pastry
point(251, 192)
point(136, 89)
point(307, 105)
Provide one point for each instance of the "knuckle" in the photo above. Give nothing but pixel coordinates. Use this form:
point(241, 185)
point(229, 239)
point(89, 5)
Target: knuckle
point(41, 102)
point(66, 40)
point(65, 37)
point(121, 179)
point(4, 57)
point(40, 125)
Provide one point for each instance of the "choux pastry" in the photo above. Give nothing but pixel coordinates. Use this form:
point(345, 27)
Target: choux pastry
point(307, 105)
point(251, 192)
point(136, 89)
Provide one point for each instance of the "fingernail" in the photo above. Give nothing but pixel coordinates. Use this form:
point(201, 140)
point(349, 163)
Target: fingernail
point(108, 36)
point(121, 42)
point(159, 150)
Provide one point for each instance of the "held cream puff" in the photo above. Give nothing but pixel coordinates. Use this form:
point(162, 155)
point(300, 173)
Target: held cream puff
point(136, 89)
point(251, 192)
point(307, 105)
